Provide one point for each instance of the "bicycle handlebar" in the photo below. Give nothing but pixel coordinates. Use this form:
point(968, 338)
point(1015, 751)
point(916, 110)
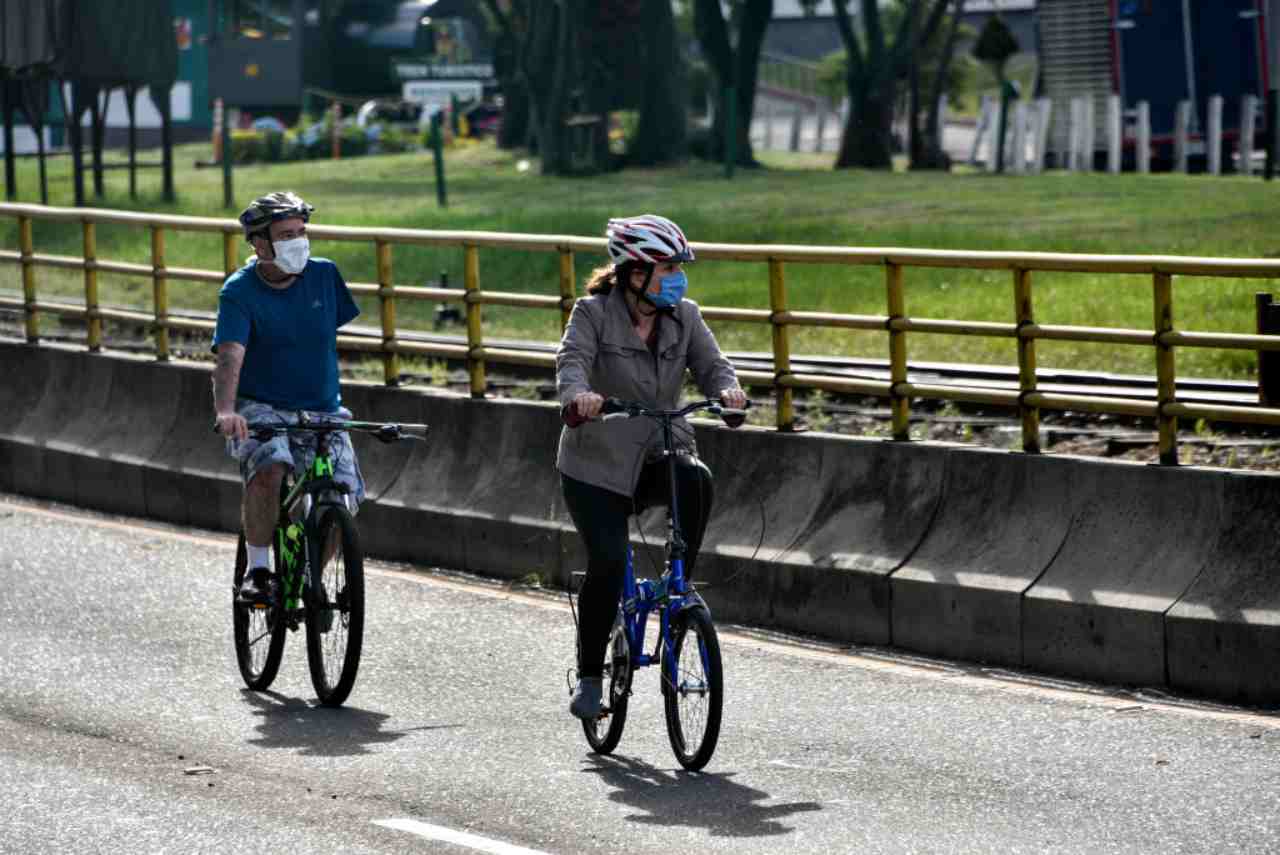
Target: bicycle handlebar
point(381, 431)
point(616, 408)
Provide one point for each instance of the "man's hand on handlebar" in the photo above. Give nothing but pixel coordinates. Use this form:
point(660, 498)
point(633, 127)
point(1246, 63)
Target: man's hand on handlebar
point(232, 425)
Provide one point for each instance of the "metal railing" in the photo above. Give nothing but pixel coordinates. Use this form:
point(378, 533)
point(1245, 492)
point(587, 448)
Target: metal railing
point(1163, 337)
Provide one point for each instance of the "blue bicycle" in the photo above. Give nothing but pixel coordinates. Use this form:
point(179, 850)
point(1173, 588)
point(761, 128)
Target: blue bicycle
point(686, 646)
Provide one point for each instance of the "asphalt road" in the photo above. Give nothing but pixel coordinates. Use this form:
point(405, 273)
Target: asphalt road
point(124, 728)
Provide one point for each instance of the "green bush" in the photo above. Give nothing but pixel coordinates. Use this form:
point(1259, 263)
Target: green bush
point(393, 140)
point(273, 145)
point(354, 142)
point(247, 147)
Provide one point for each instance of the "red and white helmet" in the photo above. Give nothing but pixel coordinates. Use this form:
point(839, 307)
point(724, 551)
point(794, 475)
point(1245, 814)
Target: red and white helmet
point(648, 238)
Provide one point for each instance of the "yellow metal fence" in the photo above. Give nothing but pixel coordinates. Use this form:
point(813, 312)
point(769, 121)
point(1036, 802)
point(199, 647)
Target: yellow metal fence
point(1162, 337)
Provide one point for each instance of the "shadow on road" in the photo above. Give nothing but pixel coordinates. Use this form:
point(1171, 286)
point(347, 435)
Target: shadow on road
point(321, 731)
point(696, 799)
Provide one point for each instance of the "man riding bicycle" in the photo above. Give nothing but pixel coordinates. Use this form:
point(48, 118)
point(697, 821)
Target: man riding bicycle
point(633, 336)
point(277, 357)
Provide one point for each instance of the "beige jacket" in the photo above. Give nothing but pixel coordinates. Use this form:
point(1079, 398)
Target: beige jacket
point(600, 352)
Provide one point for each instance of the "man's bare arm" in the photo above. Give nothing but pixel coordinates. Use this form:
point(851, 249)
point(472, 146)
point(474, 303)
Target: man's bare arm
point(226, 381)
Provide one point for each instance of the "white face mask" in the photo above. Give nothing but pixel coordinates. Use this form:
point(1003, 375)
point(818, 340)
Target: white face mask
point(292, 255)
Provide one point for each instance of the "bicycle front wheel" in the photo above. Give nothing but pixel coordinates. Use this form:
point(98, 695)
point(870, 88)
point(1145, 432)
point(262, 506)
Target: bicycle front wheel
point(258, 631)
point(604, 732)
point(694, 692)
point(335, 605)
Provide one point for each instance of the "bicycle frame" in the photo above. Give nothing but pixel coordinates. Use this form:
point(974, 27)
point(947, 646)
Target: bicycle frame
point(671, 594)
point(315, 480)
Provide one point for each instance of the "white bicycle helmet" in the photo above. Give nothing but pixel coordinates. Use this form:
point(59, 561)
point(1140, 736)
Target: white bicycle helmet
point(648, 238)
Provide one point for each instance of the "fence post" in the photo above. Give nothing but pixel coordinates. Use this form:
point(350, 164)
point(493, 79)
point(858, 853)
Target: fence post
point(1044, 114)
point(797, 119)
point(781, 346)
point(160, 291)
point(1214, 137)
point(822, 125)
point(899, 404)
point(229, 260)
point(1026, 361)
point(26, 247)
point(942, 120)
point(1088, 133)
point(567, 293)
point(93, 321)
point(1019, 159)
point(1163, 292)
point(1268, 360)
point(994, 130)
point(1074, 134)
point(1143, 151)
point(387, 308)
point(336, 136)
point(1113, 134)
point(475, 338)
point(1248, 127)
point(981, 129)
point(1181, 128)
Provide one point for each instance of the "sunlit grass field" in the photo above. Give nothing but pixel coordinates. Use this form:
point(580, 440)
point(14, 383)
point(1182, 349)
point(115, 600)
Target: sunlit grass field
point(795, 199)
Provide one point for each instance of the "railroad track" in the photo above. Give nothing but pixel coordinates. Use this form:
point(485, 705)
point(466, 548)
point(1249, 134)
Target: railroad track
point(1102, 384)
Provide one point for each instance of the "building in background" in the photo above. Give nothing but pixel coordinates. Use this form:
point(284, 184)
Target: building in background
point(1161, 52)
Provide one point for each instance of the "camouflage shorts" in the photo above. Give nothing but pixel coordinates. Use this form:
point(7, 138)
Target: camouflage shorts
point(296, 450)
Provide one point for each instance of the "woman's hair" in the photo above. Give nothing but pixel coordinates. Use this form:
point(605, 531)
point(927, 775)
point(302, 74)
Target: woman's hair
point(602, 279)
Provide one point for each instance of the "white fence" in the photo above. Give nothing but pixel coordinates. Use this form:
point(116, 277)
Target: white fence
point(1096, 135)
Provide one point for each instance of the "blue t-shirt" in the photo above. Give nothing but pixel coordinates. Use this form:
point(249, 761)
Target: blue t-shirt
point(290, 335)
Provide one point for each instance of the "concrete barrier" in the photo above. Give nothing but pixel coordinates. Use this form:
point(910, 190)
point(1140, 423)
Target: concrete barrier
point(1139, 536)
point(1223, 634)
point(1123, 573)
point(1002, 520)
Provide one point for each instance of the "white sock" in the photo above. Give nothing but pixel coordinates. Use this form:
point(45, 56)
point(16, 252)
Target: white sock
point(259, 556)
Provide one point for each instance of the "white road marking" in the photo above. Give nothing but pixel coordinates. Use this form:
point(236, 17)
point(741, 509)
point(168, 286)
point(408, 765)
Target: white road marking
point(458, 838)
point(898, 662)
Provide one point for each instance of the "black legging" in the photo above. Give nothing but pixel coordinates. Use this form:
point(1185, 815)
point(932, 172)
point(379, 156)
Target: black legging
point(601, 517)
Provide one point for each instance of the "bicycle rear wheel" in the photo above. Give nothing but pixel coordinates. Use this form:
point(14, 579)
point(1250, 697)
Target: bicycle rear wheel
point(694, 694)
point(604, 732)
point(259, 632)
point(335, 605)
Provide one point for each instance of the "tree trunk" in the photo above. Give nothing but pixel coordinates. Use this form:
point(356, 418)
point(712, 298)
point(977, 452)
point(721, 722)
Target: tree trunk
point(516, 108)
point(867, 140)
point(932, 155)
point(661, 131)
point(738, 69)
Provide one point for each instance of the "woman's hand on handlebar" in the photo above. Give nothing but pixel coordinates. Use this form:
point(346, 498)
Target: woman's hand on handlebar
point(584, 407)
point(232, 425)
point(734, 399)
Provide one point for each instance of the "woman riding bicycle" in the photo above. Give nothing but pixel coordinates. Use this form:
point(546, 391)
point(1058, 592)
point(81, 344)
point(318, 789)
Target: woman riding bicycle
point(632, 337)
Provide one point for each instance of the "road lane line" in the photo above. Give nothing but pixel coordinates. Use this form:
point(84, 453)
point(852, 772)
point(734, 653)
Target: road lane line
point(458, 838)
point(1008, 681)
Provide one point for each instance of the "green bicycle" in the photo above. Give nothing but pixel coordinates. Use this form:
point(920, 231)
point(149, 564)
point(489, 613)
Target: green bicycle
point(318, 567)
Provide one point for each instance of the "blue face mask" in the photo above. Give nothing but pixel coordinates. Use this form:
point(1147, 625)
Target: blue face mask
point(672, 291)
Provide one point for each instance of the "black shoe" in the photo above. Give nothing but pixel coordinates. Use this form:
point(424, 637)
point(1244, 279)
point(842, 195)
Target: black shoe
point(258, 587)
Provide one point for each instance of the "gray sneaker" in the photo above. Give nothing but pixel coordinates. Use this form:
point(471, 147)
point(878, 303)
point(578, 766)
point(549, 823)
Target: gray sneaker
point(586, 698)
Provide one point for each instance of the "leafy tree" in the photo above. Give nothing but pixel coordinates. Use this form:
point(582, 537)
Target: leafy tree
point(575, 61)
point(733, 64)
point(876, 64)
point(661, 131)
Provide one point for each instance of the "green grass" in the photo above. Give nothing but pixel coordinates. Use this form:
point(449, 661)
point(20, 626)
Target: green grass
point(797, 199)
